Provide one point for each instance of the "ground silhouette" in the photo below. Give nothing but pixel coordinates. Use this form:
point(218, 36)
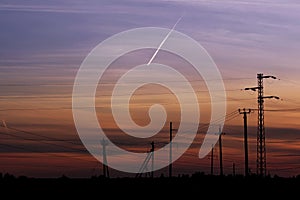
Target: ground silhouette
point(184, 186)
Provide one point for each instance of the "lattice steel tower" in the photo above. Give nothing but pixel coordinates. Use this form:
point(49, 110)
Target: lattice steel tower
point(261, 157)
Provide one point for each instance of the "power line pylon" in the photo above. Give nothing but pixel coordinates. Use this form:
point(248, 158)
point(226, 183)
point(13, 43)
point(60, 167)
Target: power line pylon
point(261, 167)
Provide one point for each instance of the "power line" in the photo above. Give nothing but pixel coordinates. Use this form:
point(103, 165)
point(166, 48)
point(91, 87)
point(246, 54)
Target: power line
point(44, 142)
point(41, 136)
point(47, 153)
point(283, 110)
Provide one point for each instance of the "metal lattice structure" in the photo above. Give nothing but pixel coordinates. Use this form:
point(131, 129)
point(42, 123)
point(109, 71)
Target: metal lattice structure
point(261, 158)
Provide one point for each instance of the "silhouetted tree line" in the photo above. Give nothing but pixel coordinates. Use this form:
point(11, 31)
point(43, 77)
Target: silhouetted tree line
point(195, 176)
point(194, 184)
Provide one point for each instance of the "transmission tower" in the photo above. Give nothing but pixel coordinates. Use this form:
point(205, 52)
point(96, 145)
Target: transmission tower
point(261, 167)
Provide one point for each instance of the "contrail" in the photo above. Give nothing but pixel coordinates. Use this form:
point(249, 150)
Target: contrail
point(164, 40)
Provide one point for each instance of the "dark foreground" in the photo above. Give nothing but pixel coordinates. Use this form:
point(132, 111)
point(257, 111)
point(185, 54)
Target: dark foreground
point(196, 186)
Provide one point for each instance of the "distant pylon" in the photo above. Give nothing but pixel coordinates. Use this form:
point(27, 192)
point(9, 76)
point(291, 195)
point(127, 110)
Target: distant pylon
point(261, 157)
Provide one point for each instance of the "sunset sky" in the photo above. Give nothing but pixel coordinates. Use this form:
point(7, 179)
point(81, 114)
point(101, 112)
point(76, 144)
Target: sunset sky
point(42, 46)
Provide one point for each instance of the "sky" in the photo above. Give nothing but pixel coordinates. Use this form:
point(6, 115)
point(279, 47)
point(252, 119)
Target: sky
point(43, 45)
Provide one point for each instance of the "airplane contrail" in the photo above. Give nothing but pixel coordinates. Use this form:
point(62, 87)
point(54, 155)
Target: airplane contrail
point(164, 40)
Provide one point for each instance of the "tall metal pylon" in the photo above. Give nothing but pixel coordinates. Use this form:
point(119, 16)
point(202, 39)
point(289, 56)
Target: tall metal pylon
point(261, 158)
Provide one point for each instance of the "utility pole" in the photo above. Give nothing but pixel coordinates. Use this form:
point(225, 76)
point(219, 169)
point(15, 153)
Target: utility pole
point(170, 154)
point(220, 151)
point(152, 164)
point(245, 112)
point(104, 164)
point(261, 167)
point(212, 161)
